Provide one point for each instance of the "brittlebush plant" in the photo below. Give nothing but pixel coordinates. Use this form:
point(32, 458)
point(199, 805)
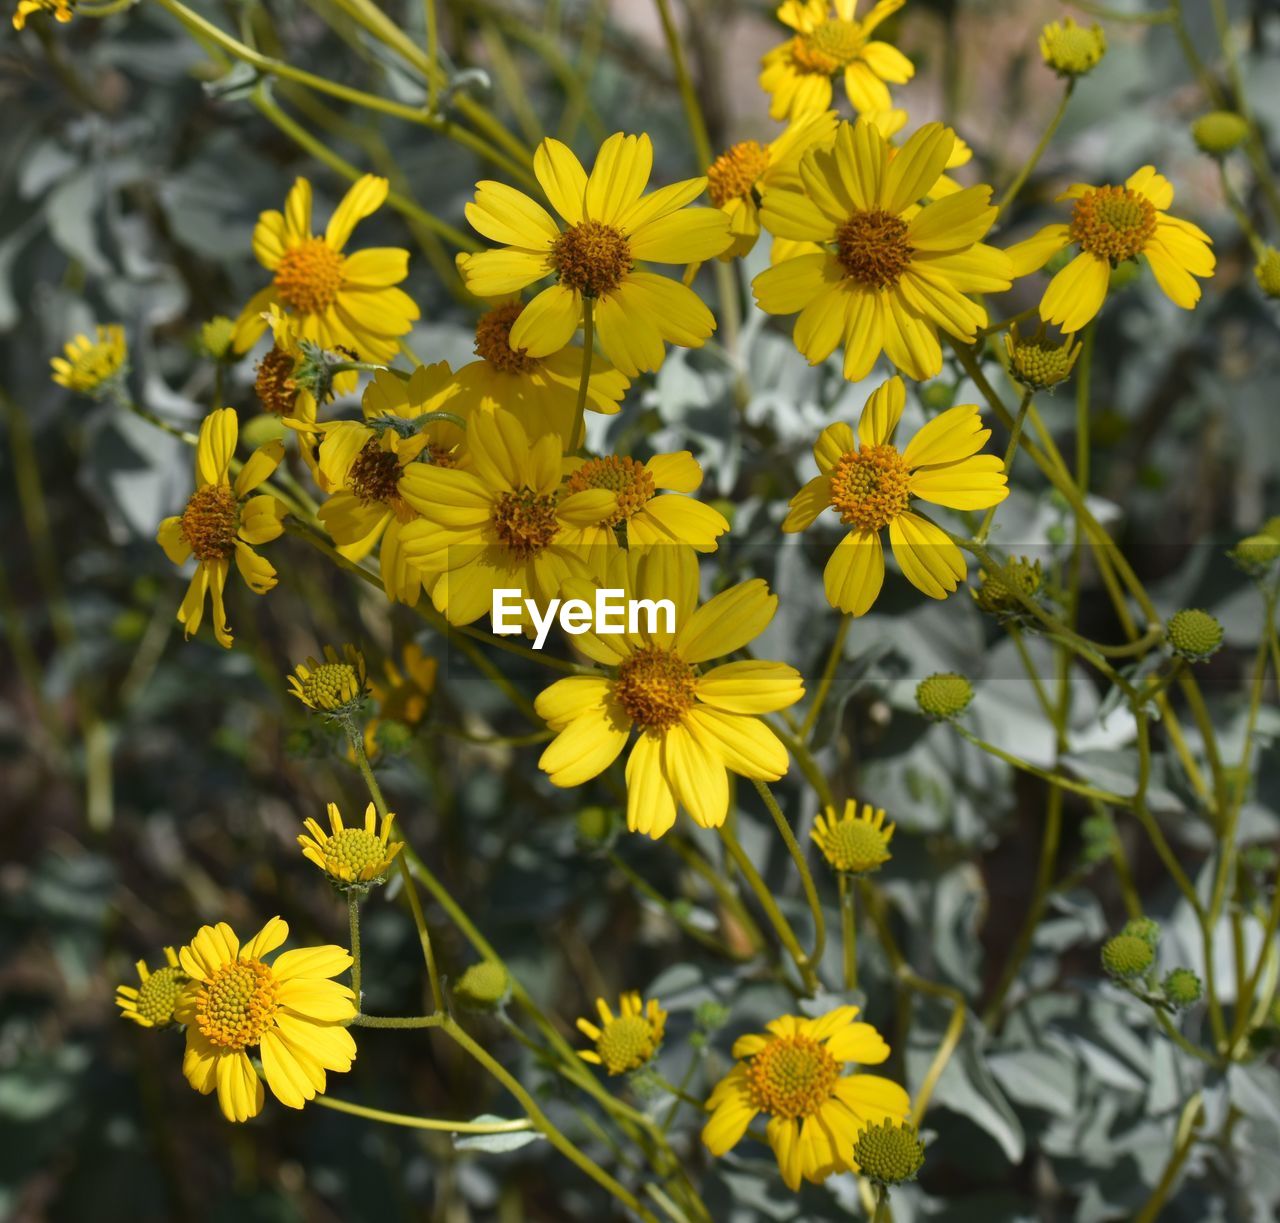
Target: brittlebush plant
point(447, 484)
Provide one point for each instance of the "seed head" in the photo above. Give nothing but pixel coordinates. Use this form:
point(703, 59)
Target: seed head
point(889, 1153)
point(1193, 634)
point(1182, 987)
point(1127, 956)
point(483, 986)
point(944, 696)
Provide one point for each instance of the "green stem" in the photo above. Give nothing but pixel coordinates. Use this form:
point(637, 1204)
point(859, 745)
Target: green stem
point(424, 935)
point(398, 1021)
point(1054, 779)
point(828, 675)
point(849, 930)
point(1184, 1138)
point(1014, 187)
point(353, 925)
point(439, 1124)
point(802, 867)
point(1015, 435)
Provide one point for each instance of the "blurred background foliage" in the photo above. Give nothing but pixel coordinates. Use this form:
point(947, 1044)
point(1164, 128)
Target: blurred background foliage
point(147, 785)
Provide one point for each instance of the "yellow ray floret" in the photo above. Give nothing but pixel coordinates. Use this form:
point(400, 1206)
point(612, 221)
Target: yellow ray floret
point(351, 855)
point(626, 1041)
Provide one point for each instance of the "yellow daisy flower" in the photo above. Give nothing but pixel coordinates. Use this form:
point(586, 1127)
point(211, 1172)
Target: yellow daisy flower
point(406, 692)
point(794, 1072)
point(151, 1004)
point(350, 855)
point(89, 364)
point(62, 10)
point(290, 1011)
point(645, 515)
point(1111, 225)
point(829, 39)
point(339, 301)
point(222, 520)
point(335, 686)
point(541, 391)
point(611, 227)
point(501, 523)
point(851, 841)
point(364, 464)
point(740, 178)
point(870, 483)
point(889, 273)
point(694, 727)
point(628, 1040)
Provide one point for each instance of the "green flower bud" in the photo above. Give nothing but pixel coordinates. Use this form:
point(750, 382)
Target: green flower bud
point(943, 696)
point(889, 1153)
point(216, 337)
point(1220, 131)
point(1182, 987)
point(1037, 362)
point(259, 430)
point(1145, 928)
point(483, 986)
point(997, 591)
point(938, 396)
point(710, 1016)
point(1256, 553)
point(1272, 527)
point(1268, 272)
point(1072, 50)
point(1127, 956)
point(1193, 634)
point(595, 825)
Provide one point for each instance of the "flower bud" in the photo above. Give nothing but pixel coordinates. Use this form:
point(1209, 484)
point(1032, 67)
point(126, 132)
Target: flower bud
point(1127, 956)
point(943, 696)
point(889, 1153)
point(1072, 50)
point(1219, 132)
point(1182, 987)
point(1193, 634)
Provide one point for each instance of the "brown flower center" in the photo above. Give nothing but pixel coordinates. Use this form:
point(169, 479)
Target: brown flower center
point(493, 340)
point(828, 48)
point(375, 474)
point(525, 522)
point(620, 474)
point(237, 1005)
point(869, 487)
point(872, 248)
point(655, 687)
point(274, 385)
point(210, 522)
point(791, 1077)
point(734, 173)
point(1113, 223)
point(309, 276)
point(592, 258)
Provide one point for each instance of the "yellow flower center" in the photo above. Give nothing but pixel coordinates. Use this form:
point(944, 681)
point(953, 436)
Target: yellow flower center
point(331, 684)
point(626, 1043)
point(238, 1004)
point(872, 248)
point(354, 854)
point(734, 173)
point(274, 385)
point(831, 46)
point(525, 522)
point(592, 258)
point(621, 474)
point(855, 845)
point(210, 522)
point(791, 1077)
point(656, 687)
point(493, 340)
point(1113, 223)
point(869, 487)
point(375, 474)
point(309, 276)
point(159, 993)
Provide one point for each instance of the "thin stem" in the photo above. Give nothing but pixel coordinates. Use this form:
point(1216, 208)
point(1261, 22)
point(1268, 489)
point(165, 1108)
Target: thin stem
point(433, 54)
point(849, 930)
point(802, 867)
point(1015, 435)
point(1054, 779)
point(828, 674)
point(424, 935)
point(439, 1124)
point(398, 1021)
point(353, 925)
point(1184, 1138)
point(1181, 1041)
point(579, 435)
point(1014, 187)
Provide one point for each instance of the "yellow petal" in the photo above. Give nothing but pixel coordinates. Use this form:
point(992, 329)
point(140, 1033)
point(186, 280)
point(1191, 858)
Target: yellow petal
point(561, 176)
point(854, 573)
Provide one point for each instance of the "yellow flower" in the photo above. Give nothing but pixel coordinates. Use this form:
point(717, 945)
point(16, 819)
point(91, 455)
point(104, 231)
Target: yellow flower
point(643, 514)
point(365, 462)
point(693, 727)
point(62, 10)
point(830, 39)
point(1072, 50)
point(289, 1011)
point(853, 842)
point(741, 177)
point(151, 1005)
point(340, 301)
point(499, 524)
point(1111, 225)
point(541, 391)
point(888, 273)
point(90, 364)
point(870, 484)
point(628, 1040)
point(794, 1072)
point(350, 855)
point(611, 226)
point(222, 520)
point(333, 686)
point(407, 691)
